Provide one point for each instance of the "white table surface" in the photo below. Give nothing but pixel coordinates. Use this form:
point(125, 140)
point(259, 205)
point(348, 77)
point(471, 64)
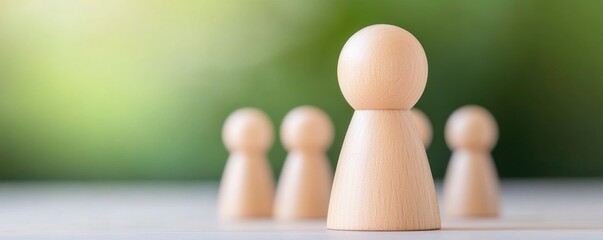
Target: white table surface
point(532, 209)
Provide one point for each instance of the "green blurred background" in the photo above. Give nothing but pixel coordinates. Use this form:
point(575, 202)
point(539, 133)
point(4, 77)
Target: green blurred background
point(138, 90)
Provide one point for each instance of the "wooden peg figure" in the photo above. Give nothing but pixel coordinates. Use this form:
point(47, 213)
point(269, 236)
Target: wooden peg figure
point(383, 181)
point(423, 126)
point(471, 183)
point(247, 186)
point(306, 178)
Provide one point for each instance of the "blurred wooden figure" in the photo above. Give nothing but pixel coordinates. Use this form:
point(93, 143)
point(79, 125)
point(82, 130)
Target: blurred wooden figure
point(471, 187)
point(423, 126)
point(247, 186)
point(383, 181)
point(306, 178)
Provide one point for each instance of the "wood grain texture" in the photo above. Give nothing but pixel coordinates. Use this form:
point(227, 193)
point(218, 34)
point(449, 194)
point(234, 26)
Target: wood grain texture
point(382, 67)
point(247, 185)
point(471, 187)
point(306, 178)
point(383, 181)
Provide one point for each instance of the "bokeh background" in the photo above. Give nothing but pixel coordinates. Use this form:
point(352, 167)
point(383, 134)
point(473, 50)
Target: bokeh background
point(139, 90)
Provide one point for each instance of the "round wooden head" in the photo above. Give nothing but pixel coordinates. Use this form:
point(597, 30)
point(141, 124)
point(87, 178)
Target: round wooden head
point(423, 126)
point(307, 128)
point(471, 127)
point(248, 129)
point(382, 67)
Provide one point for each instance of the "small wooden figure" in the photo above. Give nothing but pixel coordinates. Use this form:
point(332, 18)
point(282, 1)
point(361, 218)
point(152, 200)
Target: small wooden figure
point(247, 186)
point(306, 178)
point(383, 181)
point(423, 126)
point(471, 187)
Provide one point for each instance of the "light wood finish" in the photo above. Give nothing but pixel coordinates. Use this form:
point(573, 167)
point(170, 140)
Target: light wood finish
point(306, 178)
point(248, 130)
point(471, 187)
point(247, 186)
point(304, 186)
point(383, 181)
point(471, 127)
point(307, 128)
point(423, 126)
point(382, 67)
point(471, 184)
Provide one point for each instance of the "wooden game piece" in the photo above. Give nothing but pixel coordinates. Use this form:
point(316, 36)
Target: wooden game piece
point(423, 126)
point(305, 183)
point(247, 186)
point(383, 181)
point(471, 187)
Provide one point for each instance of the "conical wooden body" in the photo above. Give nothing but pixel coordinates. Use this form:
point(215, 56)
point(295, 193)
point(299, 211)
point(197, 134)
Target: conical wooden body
point(247, 187)
point(304, 186)
point(383, 181)
point(471, 187)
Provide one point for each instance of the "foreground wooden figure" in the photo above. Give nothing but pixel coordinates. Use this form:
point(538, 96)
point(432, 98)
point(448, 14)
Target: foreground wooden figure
point(383, 181)
point(247, 186)
point(305, 182)
point(471, 184)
